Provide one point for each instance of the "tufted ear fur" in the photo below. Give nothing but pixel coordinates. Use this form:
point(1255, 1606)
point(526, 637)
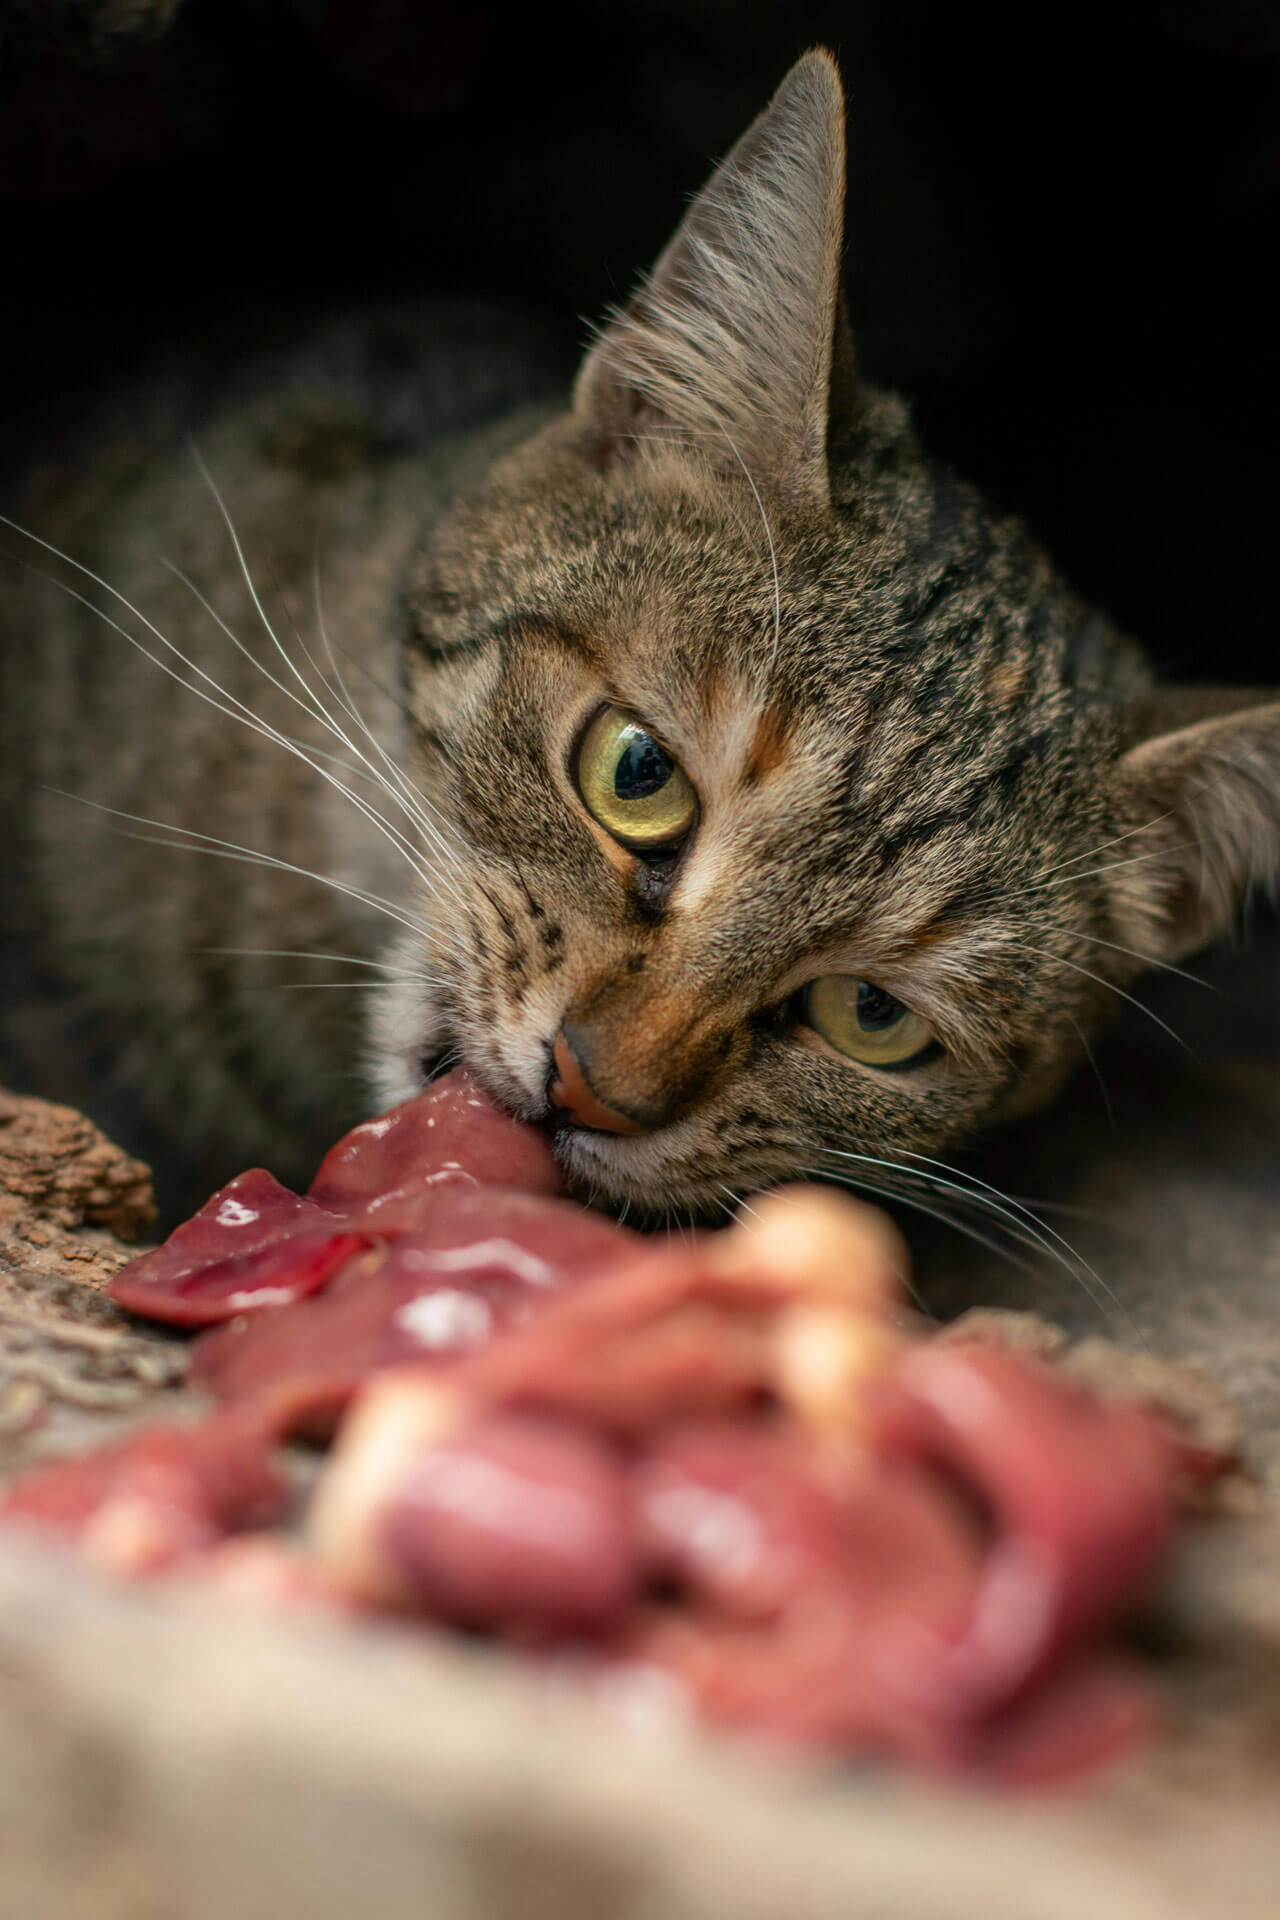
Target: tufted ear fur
point(732, 337)
point(1203, 784)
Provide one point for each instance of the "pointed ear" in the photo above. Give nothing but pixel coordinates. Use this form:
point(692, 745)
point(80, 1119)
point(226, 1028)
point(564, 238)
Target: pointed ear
point(1204, 784)
point(731, 338)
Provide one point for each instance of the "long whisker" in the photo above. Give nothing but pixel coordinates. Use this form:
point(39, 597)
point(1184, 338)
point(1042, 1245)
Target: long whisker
point(986, 896)
point(1113, 866)
point(411, 796)
point(315, 712)
point(241, 711)
point(336, 986)
point(1023, 1225)
point(224, 703)
point(1147, 959)
point(1092, 853)
point(400, 789)
point(1057, 959)
point(1091, 1057)
point(1039, 1228)
point(880, 1190)
point(314, 704)
point(1039, 1204)
point(1015, 1228)
point(231, 850)
point(247, 575)
point(294, 953)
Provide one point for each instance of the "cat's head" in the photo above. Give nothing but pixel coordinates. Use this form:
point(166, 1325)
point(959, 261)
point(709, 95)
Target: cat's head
point(791, 813)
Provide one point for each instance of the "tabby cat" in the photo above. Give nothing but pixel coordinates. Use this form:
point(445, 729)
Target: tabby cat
point(703, 765)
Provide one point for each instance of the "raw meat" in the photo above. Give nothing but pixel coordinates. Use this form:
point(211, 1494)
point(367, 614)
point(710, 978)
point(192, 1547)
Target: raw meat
point(487, 1259)
point(256, 1245)
point(731, 1457)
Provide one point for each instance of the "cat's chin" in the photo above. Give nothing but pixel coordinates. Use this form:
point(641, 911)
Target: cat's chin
point(651, 1179)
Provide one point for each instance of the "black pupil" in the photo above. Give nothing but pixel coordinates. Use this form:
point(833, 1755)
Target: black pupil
point(876, 1008)
point(643, 768)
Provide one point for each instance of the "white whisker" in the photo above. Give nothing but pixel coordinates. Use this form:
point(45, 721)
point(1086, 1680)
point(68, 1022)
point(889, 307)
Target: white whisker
point(410, 796)
point(1091, 1057)
point(1047, 873)
point(294, 953)
point(1040, 1228)
point(231, 850)
point(334, 986)
point(314, 712)
point(1113, 866)
point(1019, 1222)
point(1147, 959)
point(1055, 959)
point(224, 703)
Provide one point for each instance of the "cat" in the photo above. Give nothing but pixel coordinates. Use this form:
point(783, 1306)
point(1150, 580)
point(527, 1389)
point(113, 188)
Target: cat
point(718, 777)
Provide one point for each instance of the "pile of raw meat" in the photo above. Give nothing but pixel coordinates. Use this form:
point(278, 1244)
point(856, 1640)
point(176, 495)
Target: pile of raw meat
point(729, 1458)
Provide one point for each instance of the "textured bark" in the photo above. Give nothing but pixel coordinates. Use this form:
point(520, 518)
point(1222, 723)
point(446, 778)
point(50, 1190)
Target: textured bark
point(69, 1359)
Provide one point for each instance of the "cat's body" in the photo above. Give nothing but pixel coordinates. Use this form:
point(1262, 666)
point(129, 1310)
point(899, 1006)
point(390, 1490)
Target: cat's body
point(333, 450)
point(913, 758)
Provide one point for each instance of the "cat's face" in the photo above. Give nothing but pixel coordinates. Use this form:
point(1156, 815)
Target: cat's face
point(870, 777)
point(781, 786)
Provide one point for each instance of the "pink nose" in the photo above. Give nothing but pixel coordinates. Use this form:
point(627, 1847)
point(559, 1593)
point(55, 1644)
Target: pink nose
point(570, 1091)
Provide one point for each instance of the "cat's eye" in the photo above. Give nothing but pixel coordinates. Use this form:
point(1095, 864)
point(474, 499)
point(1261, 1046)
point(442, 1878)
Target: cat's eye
point(632, 785)
point(865, 1023)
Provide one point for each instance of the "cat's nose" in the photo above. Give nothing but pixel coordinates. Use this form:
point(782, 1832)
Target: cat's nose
point(571, 1092)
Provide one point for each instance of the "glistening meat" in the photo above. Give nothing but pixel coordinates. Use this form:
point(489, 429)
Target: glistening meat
point(731, 1457)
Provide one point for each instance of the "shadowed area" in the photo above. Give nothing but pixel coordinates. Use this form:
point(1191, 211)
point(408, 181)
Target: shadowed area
point(1172, 1195)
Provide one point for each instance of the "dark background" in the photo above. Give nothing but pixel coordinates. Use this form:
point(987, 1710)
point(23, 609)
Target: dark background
point(1063, 222)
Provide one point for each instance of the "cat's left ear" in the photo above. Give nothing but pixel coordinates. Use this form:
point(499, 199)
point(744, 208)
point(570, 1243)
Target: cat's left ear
point(1202, 786)
point(738, 336)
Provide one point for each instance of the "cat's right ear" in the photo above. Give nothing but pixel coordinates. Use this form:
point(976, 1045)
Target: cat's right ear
point(1202, 782)
point(738, 336)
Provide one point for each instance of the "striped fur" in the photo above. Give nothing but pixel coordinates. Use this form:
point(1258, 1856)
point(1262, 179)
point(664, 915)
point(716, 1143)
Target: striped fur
point(920, 757)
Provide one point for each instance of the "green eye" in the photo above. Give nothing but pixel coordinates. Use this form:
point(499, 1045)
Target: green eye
point(865, 1022)
point(631, 785)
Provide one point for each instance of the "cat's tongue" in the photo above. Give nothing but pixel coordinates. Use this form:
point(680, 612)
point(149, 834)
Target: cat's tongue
point(256, 1245)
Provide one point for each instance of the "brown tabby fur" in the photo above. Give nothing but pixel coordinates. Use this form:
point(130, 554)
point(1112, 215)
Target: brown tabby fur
point(919, 758)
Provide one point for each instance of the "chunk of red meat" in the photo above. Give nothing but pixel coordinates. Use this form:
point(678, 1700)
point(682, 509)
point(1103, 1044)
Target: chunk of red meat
point(804, 1586)
point(1080, 1495)
point(648, 1346)
point(817, 1597)
point(485, 1260)
point(519, 1523)
point(159, 1496)
point(924, 1565)
point(1094, 1709)
point(380, 1174)
point(253, 1245)
point(751, 1520)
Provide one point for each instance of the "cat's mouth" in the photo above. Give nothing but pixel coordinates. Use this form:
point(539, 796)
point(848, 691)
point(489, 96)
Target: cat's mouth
point(642, 1171)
